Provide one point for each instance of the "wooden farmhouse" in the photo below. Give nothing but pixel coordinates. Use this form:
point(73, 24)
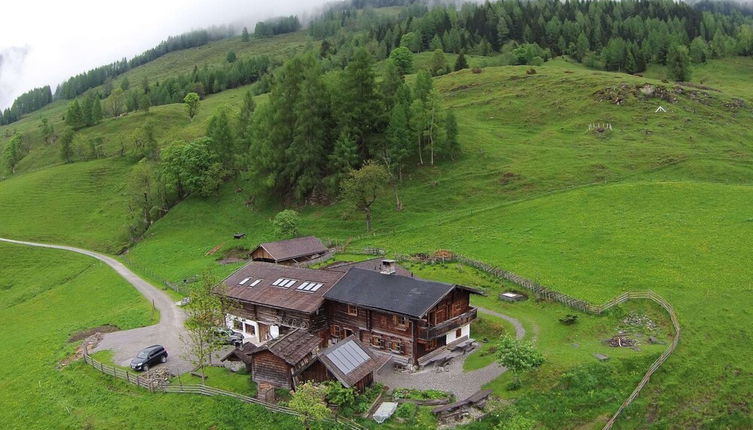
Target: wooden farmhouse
point(295, 320)
point(405, 316)
point(272, 299)
point(291, 251)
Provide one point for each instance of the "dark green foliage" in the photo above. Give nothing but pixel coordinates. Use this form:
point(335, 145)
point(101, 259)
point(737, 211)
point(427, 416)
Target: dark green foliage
point(66, 146)
point(569, 319)
point(358, 104)
point(27, 102)
point(276, 26)
point(245, 116)
point(402, 58)
point(191, 101)
point(678, 63)
point(47, 131)
point(244, 35)
point(13, 153)
point(438, 64)
point(452, 145)
point(231, 57)
point(74, 117)
point(222, 141)
point(343, 159)
point(460, 62)
point(191, 168)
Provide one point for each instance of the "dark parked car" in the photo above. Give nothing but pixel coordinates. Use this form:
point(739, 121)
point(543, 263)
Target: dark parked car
point(229, 337)
point(149, 356)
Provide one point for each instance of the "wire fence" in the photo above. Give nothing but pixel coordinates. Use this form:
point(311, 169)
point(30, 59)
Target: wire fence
point(165, 387)
point(546, 293)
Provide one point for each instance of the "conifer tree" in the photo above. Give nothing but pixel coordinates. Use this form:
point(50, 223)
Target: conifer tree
point(244, 35)
point(358, 102)
point(74, 117)
point(342, 160)
point(678, 63)
point(245, 115)
point(66, 146)
point(222, 139)
point(438, 64)
point(398, 147)
point(96, 111)
point(461, 63)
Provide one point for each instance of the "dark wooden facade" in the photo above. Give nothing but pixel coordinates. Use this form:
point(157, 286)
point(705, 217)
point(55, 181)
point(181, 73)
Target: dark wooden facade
point(399, 335)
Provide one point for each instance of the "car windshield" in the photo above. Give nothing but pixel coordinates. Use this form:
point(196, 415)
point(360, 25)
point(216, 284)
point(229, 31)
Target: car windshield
point(143, 354)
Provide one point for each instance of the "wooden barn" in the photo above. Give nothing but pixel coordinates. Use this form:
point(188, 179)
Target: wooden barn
point(295, 358)
point(291, 251)
point(405, 316)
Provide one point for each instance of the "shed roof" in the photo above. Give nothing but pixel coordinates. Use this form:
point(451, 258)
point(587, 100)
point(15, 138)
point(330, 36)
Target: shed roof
point(284, 250)
point(350, 360)
point(291, 347)
point(393, 293)
point(257, 283)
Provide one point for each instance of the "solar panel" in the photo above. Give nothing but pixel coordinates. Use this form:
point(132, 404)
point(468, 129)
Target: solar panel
point(278, 282)
point(303, 285)
point(253, 284)
point(348, 357)
point(243, 281)
point(316, 287)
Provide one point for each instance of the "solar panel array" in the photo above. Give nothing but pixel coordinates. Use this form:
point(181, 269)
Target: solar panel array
point(348, 357)
point(310, 286)
point(284, 283)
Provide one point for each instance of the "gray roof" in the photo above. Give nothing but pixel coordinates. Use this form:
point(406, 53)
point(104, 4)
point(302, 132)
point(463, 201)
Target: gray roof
point(350, 360)
point(392, 293)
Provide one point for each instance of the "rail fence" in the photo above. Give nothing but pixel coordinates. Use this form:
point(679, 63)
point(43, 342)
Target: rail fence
point(158, 386)
point(581, 305)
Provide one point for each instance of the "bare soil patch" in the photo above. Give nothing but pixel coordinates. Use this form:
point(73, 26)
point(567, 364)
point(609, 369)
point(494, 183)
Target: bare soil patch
point(83, 334)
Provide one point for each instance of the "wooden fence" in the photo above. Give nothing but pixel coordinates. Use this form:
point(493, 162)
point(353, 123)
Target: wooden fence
point(205, 390)
point(581, 305)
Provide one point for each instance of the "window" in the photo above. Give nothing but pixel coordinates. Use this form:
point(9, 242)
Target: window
point(352, 310)
point(249, 329)
point(431, 345)
point(336, 331)
point(237, 324)
point(459, 333)
point(377, 341)
point(440, 315)
point(400, 322)
point(347, 332)
point(396, 345)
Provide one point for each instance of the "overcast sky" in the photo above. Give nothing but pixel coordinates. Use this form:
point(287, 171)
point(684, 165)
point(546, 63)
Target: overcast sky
point(44, 42)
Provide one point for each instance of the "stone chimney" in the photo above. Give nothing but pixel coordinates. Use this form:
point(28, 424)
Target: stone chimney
point(388, 267)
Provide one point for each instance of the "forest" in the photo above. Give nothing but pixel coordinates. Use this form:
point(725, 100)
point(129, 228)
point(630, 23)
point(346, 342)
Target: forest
point(622, 36)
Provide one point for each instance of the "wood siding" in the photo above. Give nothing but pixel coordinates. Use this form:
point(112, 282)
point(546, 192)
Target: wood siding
point(314, 322)
point(384, 331)
point(270, 369)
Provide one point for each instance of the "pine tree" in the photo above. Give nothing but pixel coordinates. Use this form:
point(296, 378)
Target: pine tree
point(245, 115)
point(223, 142)
point(438, 64)
point(391, 82)
point(358, 102)
point(342, 160)
point(74, 117)
point(244, 35)
point(452, 146)
point(461, 63)
point(96, 111)
point(678, 63)
point(86, 111)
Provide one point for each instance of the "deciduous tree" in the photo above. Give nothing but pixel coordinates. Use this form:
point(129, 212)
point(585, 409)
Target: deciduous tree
point(191, 102)
point(203, 316)
point(518, 356)
point(308, 400)
point(286, 223)
point(362, 187)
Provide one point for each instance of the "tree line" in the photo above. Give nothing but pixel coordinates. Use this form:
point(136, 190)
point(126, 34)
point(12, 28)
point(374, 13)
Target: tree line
point(25, 103)
point(614, 35)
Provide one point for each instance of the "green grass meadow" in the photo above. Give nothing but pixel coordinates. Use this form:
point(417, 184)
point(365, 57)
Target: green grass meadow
point(663, 201)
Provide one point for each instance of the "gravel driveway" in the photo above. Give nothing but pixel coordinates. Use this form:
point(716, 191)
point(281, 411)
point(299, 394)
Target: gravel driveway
point(126, 344)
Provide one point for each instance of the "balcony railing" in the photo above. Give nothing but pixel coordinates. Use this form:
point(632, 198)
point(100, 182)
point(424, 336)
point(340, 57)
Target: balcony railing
point(437, 330)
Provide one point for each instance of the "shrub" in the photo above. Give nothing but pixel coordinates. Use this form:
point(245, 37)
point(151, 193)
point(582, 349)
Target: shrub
point(286, 223)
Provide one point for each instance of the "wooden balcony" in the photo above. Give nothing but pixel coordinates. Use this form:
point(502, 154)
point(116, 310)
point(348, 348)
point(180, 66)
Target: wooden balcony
point(431, 332)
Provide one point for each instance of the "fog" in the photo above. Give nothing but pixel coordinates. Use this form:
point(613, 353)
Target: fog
point(45, 42)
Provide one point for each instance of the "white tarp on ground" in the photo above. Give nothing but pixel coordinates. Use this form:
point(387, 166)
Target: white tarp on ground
point(384, 411)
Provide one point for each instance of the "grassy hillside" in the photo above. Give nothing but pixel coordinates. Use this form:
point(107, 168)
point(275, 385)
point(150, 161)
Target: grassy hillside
point(662, 202)
point(46, 296)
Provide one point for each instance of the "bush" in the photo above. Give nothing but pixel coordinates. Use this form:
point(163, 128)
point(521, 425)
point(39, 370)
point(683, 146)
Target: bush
point(569, 319)
point(406, 410)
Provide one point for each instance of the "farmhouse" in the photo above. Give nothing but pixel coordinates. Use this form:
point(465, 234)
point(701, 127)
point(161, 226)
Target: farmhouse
point(402, 315)
point(291, 251)
point(298, 321)
point(272, 299)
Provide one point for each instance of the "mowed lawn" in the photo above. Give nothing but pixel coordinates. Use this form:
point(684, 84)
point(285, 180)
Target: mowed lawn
point(45, 297)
